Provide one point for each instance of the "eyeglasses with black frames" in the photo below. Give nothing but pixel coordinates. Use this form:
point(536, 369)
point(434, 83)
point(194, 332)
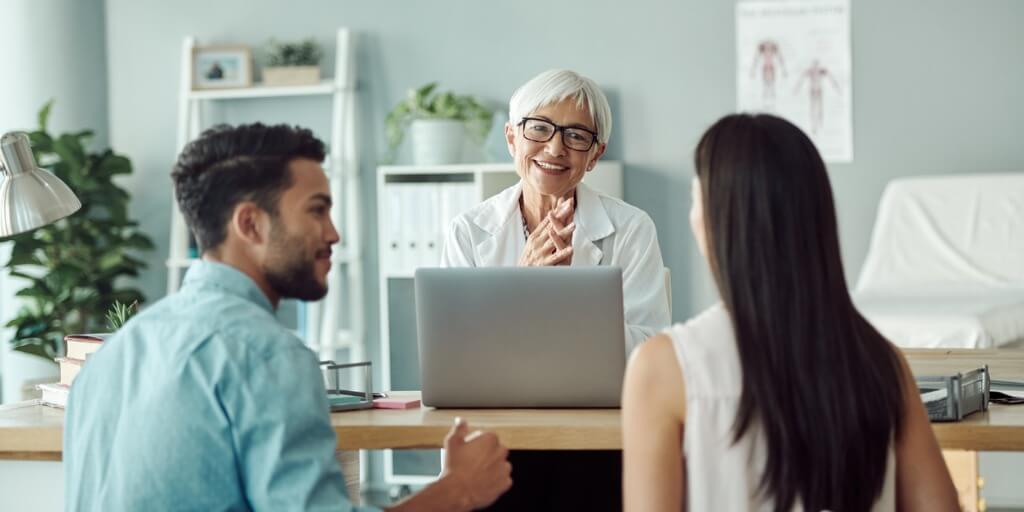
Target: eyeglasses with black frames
point(542, 130)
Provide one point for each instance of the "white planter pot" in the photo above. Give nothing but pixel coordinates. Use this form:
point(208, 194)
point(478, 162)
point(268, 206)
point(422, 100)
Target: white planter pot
point(291, 75)
point(437, 141)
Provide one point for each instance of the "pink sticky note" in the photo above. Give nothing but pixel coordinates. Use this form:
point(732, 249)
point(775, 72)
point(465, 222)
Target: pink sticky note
point(396, 403)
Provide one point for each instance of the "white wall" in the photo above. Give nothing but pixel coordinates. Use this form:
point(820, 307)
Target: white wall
point(29, 485)
point(52, 49)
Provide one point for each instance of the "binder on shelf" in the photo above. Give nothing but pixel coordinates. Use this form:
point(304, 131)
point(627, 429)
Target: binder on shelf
point(427, 205)
point(408, 248)
point(456, 198)
point(391, 219)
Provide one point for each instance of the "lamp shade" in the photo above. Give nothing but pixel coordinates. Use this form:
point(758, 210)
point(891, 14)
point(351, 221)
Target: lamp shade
point(30, 197)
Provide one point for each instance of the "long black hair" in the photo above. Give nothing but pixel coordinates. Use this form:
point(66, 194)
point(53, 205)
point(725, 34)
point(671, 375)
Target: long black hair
point(820, 381)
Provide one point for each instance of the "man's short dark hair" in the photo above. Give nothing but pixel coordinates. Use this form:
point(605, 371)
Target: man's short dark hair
point(227, 165)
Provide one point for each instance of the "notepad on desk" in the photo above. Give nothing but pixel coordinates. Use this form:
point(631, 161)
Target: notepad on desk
point(396, 403)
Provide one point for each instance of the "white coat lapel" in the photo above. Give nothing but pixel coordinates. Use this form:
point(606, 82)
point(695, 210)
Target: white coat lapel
point(501, 220)
point(592, 225)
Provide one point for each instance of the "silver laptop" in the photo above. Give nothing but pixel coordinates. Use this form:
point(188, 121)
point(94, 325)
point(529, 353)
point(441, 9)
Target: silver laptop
point(520, 337)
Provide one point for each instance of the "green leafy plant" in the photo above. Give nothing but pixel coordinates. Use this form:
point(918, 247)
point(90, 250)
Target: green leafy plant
point(74, 266)
point(120, 313)
point(426, 103)
point(302, 53)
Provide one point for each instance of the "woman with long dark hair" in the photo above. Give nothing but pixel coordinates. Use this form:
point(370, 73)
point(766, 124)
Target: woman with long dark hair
point(782, 397)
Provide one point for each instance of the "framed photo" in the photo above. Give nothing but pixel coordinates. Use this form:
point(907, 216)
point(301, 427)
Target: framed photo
point(217, 67)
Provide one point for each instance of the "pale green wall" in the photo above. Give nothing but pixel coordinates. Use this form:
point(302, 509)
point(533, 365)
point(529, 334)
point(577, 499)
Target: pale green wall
point(937, 88)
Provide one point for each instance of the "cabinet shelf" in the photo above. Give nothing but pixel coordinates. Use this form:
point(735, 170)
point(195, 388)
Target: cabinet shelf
point(323, 88)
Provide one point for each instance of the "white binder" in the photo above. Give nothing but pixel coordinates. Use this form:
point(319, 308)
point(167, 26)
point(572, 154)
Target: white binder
point(391, 259)
point(456, 198)
point(428, 206)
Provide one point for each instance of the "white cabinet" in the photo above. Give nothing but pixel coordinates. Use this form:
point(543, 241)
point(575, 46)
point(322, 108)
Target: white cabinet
point(415, 206)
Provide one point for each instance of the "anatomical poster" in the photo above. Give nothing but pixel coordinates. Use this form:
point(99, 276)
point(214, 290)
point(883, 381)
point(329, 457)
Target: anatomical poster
point(793, 60)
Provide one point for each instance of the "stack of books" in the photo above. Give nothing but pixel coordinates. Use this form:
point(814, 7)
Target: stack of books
point(76, 352)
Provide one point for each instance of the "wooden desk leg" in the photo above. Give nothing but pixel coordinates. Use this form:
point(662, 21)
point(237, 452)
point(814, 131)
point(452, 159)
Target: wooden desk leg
point(963, 466)
point(349, 462)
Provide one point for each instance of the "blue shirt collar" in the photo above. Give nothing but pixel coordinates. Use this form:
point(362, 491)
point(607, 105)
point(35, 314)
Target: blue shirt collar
point(229, 279)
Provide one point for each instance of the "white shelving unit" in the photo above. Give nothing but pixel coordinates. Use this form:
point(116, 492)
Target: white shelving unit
point(323, 332)
point(415, 205)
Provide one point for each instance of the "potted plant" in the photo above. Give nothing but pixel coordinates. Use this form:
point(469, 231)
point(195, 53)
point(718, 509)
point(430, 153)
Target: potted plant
point(120, 313)
point(439, 122)
point(74, 268)
point(292, 63)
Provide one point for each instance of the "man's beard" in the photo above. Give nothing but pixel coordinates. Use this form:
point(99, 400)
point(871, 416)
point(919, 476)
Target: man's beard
point(290, 270)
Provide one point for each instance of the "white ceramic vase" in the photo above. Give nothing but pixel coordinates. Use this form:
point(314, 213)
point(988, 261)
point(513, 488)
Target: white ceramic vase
point(437, 141)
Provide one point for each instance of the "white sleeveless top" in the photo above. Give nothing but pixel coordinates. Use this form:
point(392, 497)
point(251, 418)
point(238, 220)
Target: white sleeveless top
point(719, 474)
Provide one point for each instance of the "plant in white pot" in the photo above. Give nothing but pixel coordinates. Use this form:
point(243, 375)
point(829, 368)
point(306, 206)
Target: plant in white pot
point(292, 63)
point(439, 122)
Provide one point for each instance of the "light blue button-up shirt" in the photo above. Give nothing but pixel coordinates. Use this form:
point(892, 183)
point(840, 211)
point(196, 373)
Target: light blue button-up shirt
point(204, 401)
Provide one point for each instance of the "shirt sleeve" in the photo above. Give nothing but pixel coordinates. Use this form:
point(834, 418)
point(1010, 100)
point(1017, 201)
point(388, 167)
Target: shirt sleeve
point(644, 291)
point(284, 442)
point(458, 248)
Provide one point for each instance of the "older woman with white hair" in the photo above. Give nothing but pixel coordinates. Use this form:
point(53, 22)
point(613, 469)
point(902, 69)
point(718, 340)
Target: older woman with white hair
point(559, 126)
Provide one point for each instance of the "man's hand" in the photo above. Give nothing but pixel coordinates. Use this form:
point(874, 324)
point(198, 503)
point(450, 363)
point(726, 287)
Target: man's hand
point(476, 472)
point(478, 462)
point(550, 243)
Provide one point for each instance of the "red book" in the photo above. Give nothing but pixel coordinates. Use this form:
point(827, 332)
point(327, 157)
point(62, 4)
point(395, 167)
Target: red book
point(79, 346)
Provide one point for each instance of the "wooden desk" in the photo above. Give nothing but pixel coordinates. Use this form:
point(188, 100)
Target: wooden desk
point(527, 429)
point(1001, 428)
point(33, 432)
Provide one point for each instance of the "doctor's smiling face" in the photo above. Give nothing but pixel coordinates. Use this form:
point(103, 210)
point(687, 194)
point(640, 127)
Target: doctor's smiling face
point(554, 147)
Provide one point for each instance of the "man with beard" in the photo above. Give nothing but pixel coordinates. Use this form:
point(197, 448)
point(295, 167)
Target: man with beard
point(204, 401)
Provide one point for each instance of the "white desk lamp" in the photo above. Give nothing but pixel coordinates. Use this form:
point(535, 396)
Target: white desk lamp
point(30, 197)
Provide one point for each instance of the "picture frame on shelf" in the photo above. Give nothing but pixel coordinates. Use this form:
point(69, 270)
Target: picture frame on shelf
point(221, 67)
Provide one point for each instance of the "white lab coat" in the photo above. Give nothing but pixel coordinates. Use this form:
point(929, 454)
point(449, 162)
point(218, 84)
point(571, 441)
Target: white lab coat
point(608, 232)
